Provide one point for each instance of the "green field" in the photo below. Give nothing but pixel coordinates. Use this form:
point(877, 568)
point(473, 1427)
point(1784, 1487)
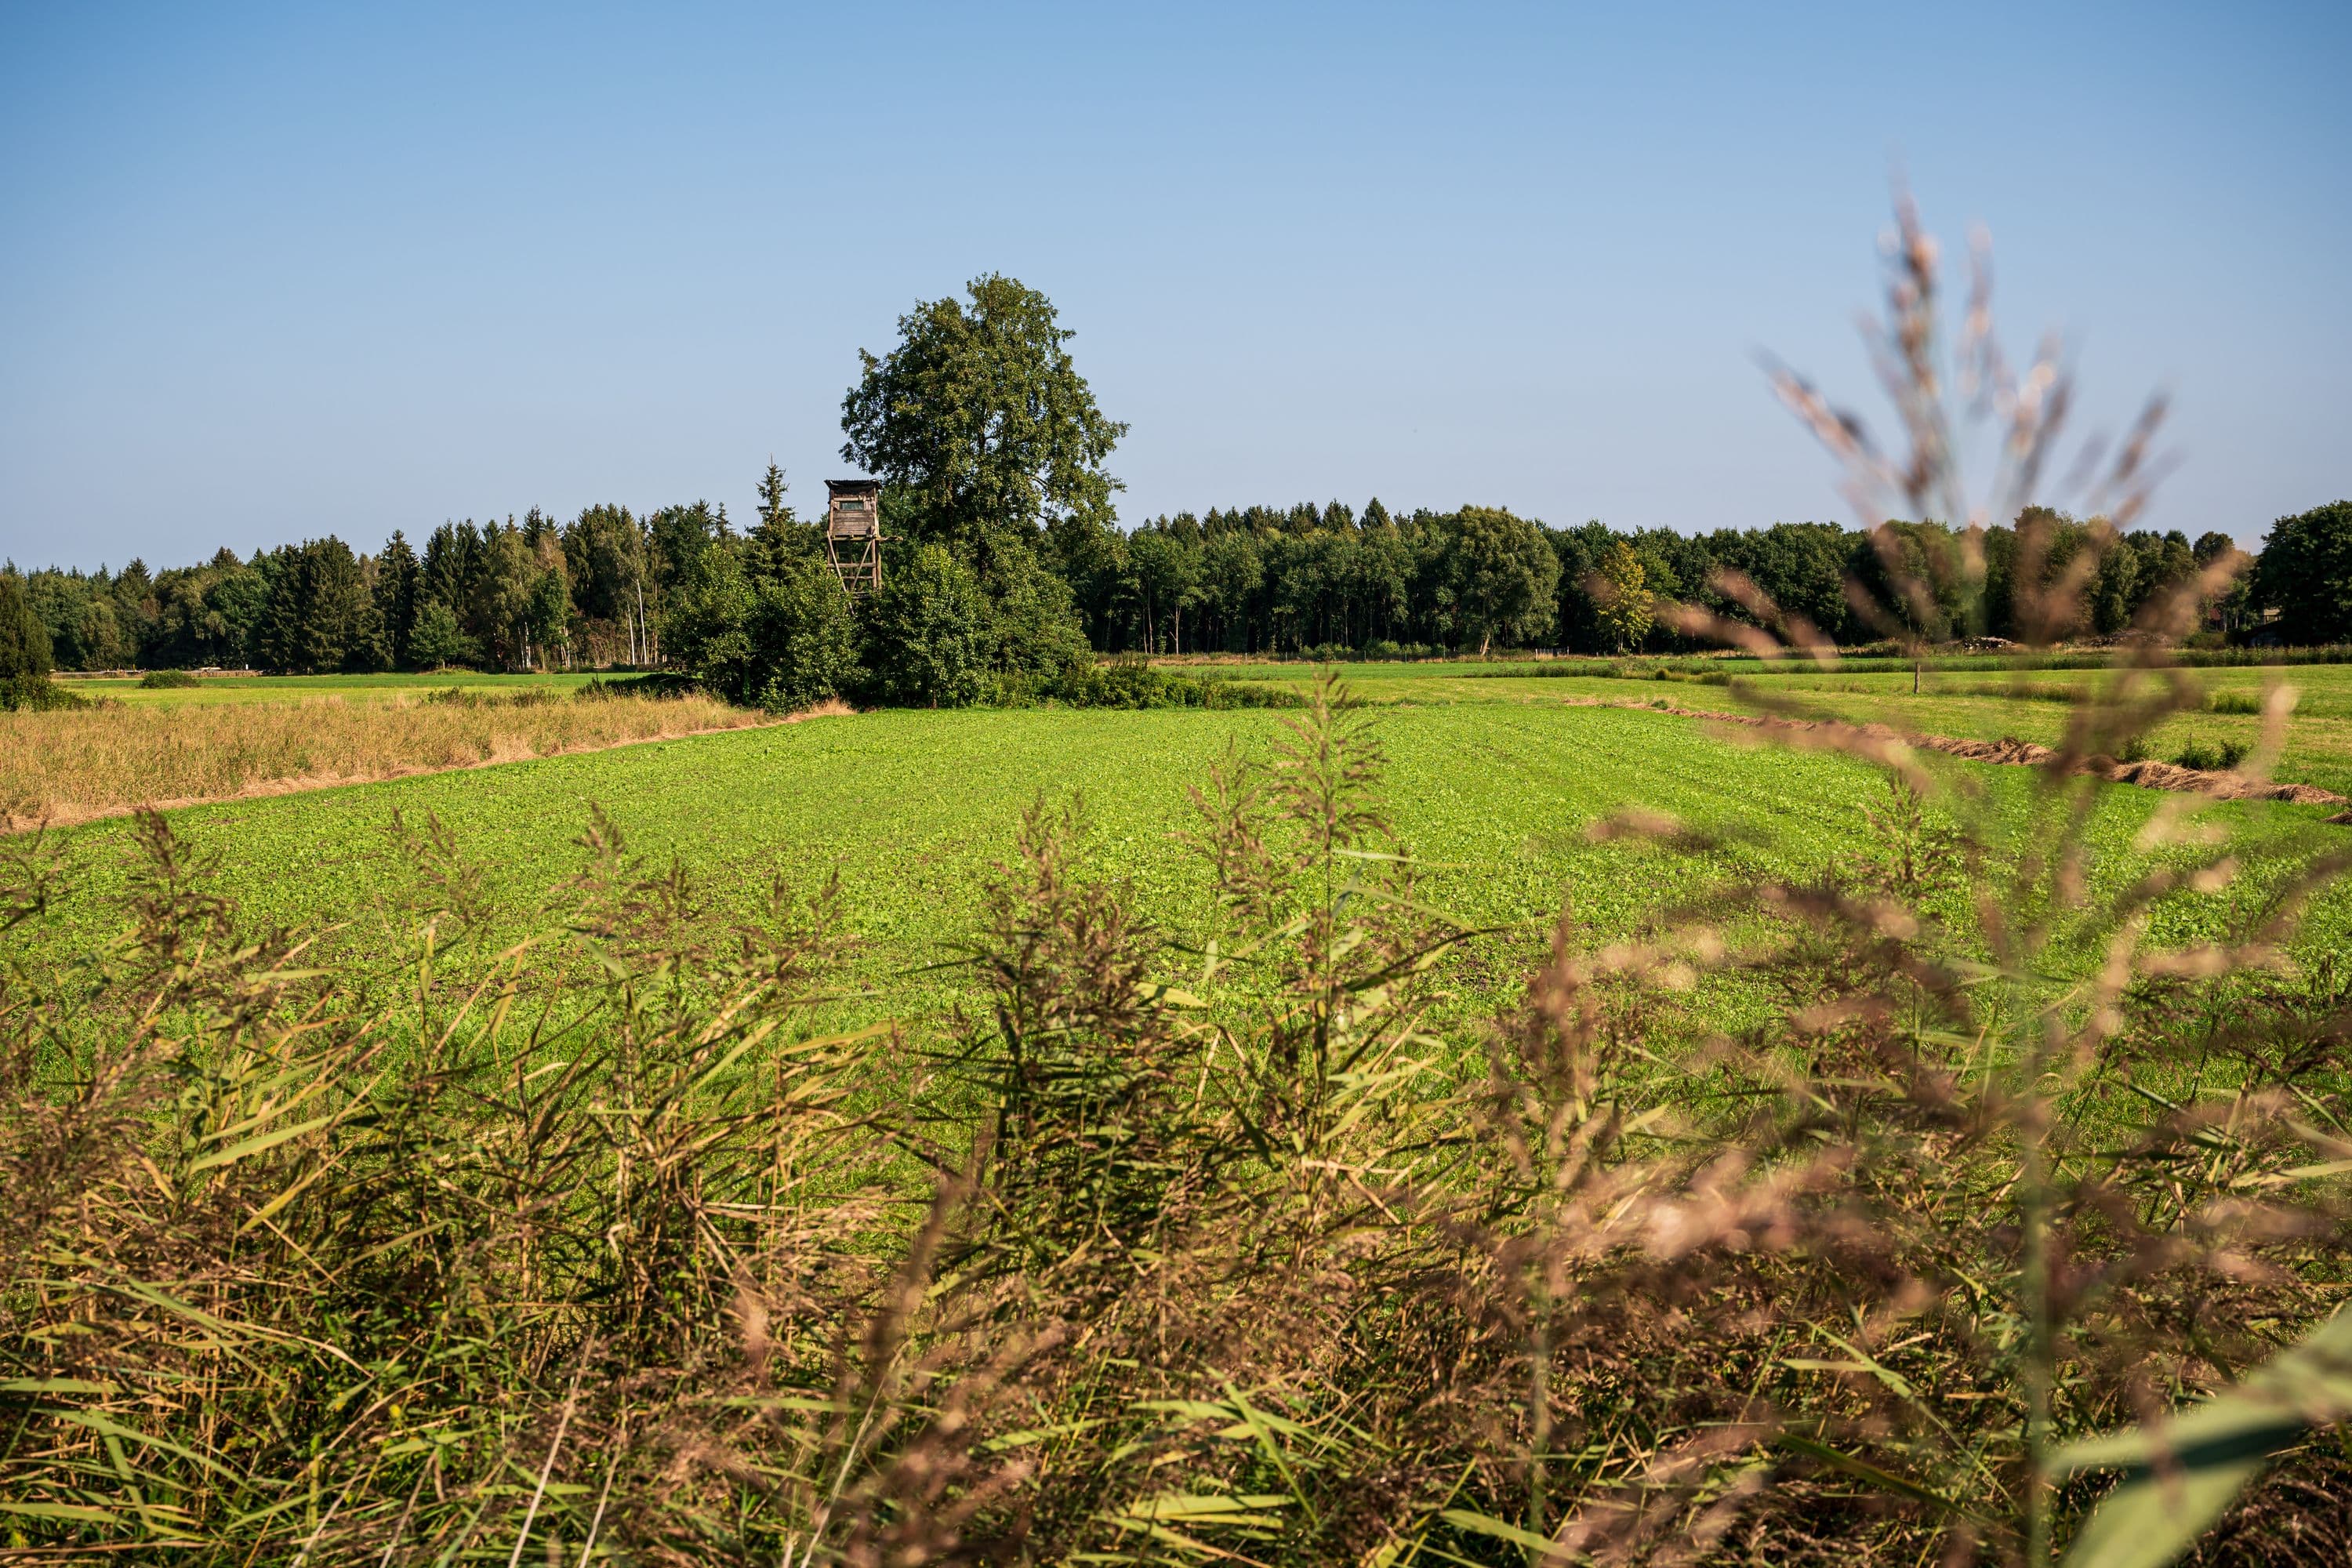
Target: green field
point(1978, 699)
point(1985, 699)
point(1491, 783)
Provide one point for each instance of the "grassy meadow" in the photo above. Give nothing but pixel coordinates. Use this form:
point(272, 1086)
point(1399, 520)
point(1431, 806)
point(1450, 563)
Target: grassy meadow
point(1492, 785)
point(1398, 1164)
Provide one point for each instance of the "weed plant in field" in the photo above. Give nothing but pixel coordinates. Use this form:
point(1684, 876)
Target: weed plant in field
point(2212, 757)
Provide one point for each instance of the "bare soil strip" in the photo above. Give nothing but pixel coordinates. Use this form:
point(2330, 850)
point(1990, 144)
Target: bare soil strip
point(2170, 777)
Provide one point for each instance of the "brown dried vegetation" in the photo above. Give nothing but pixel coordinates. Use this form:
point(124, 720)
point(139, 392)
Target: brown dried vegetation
point(104, 760)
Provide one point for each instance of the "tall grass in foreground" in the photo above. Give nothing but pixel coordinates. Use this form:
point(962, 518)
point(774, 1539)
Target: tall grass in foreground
point(593, 1249)
point(71, 764)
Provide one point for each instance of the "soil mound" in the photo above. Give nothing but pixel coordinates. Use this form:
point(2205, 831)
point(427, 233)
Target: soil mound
point(2008, 751)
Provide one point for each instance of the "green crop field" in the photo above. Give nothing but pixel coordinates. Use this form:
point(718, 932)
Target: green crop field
point(1982, 699)
point(912, 808)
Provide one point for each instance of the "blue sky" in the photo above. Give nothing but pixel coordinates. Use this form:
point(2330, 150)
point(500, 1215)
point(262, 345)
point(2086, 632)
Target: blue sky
point(271, 273)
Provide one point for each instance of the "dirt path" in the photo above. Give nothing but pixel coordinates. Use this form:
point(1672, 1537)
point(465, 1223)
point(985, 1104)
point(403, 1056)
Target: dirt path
point(2222, 785)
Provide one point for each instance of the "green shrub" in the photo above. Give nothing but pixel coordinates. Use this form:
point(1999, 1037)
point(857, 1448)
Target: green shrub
point(167, 680)
point(608, 687)
point(1220, 693)
point(1034, 631)
point(1132, 683)
point(2212, 758)
point(36, 694)
point(783, 640)
point(803, 635)
point(2235, 702)
point(479, 696)
point(928, 636)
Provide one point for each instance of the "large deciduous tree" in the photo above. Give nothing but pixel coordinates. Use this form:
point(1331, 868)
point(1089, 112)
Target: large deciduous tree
point(982, 421)
point(2305, 574)
point(1506, 577)
point(1621, 590)
point(606, 556)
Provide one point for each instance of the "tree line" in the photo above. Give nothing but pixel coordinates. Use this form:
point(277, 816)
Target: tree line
point(602, 589)
point(529, 595)
point(1328, 579)
point(1005, 566)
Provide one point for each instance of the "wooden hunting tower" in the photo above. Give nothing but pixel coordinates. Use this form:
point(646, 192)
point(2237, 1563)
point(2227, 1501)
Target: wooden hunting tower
point(852, 532)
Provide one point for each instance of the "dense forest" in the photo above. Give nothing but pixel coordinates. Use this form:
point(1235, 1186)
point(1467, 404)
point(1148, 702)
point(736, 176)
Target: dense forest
point(1005, 563)
point(597, 590)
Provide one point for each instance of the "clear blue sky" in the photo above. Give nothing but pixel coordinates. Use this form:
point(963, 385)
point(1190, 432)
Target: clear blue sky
point(271, 273)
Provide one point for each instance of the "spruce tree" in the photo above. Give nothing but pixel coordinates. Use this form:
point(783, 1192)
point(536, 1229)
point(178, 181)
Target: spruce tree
point(396, 597)
point(24, 652)
point(779, 538)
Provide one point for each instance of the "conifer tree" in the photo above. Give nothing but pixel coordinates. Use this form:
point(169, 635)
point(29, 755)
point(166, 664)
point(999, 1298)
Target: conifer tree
point(396, 574)
point(25, 653)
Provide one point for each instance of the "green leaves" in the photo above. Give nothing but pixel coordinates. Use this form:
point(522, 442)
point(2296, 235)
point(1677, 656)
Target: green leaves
point(981, 415)
point(2181, 1474)
point(928, 634)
